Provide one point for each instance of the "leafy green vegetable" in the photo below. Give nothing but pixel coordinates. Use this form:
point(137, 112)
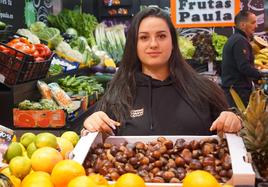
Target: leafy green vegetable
point(72, 32)
point(84, 23)
point(37, 27)
point(218, 42)
point(79, 44)
point(186, 47)
point(205, 51)
point(48, 34)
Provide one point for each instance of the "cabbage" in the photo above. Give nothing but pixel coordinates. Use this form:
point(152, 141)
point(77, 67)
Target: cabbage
point(186, 47)
point(50, 35)
point(72, 32)
point(37, 27)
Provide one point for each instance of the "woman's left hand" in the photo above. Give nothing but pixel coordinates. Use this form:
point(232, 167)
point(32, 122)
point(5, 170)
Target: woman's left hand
point(227, 122)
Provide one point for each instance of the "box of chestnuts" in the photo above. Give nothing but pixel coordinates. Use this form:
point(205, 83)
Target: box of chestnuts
point(164, 161)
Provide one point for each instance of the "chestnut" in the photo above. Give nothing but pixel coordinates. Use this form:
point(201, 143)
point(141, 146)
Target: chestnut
point(158, 179)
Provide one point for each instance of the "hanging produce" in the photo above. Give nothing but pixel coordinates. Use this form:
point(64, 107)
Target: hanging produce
point(186, 47)
point(205, 51)
point(218, 42)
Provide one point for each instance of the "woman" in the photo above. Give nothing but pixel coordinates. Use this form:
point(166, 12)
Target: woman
point(155, 92)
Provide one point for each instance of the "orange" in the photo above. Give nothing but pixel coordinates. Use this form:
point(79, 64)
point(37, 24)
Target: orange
point(82, 181)
point(227, 185)
point(200, 178)
point(64, 171)
point(37, 178)
point(130, 180)
point(45, 158)
point(65, 146)
point(98, 179)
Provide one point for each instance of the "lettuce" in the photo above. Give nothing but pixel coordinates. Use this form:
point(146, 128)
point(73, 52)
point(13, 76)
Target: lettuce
point(186, 47)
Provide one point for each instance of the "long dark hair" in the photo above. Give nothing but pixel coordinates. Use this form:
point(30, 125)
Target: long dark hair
point(121, 91)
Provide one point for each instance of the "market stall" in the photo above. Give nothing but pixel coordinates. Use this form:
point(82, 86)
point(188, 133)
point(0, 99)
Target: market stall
point(56, 60)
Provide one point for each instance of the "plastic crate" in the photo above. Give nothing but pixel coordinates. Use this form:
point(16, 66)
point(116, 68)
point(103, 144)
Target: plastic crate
point(14, 71)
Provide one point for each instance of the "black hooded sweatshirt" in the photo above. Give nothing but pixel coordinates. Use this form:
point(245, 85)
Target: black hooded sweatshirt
point(161, 109)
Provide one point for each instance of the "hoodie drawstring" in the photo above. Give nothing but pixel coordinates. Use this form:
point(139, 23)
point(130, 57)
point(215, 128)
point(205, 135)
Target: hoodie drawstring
point(150, 105)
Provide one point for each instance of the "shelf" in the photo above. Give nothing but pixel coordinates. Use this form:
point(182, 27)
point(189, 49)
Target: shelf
point(117, 16)
point(117, 6)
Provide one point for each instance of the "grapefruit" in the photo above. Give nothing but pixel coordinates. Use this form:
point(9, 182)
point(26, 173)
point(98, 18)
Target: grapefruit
point(45, 158)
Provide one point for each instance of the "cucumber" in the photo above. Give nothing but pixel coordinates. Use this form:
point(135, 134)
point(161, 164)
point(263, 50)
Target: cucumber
point(103, 78)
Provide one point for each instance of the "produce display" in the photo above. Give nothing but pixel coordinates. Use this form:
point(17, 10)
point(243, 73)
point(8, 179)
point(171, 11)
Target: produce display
point(255, 131)
point(161, 160)
point(218, 42)
point(83, 85)
point(205, 51)
point(186, 47)
point(83, 23)
point(40, 52)
point(260, 49)
point(111, 39)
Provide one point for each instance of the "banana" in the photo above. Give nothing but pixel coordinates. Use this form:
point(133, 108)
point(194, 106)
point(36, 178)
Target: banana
point(264, 50)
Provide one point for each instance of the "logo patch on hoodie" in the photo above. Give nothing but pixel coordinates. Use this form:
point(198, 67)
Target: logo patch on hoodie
point(136, 113)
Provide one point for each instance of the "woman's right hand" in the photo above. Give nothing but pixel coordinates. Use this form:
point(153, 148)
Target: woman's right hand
point(100, 121)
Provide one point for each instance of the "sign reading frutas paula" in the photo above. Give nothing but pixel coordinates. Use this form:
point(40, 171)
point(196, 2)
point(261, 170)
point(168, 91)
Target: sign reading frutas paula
point(204, 13)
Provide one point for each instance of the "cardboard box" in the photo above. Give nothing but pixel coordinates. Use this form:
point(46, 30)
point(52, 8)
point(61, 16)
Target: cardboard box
point(39, 118)
point(243, 173)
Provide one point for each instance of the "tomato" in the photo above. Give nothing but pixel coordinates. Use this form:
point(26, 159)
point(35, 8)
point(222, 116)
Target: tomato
point(47, 51)
point(16, 40)
point(35, 53)
point(2, 48)
point(39, 59)
point(6, 51)
point(25, 49)
point(16, 45)
point(24, 40)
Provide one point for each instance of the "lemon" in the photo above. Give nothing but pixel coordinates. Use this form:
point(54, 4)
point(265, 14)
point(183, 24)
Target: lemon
point(65, 146)
point(20, 166)
point(13, 150)
point(46, 139)
point(15, 180)
point(31, 149)
point(27, 138)
point(71, 136)
point(6, 171)
point(22, 147)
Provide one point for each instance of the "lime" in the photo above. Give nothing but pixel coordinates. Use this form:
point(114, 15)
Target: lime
point(13, 150)
point(46, 139)
point(20, 166)
point(31, 149)
point(71, 136)
point(27, 138)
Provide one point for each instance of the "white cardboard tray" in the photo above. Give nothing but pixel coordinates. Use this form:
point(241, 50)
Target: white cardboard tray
point(243, 173)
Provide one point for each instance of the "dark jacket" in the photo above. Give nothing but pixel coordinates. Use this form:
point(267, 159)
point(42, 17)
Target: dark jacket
point(161, 109)
point(237, 68)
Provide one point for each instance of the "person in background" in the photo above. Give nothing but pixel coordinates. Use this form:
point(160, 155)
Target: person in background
point(155, 92)
point(237, 67)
